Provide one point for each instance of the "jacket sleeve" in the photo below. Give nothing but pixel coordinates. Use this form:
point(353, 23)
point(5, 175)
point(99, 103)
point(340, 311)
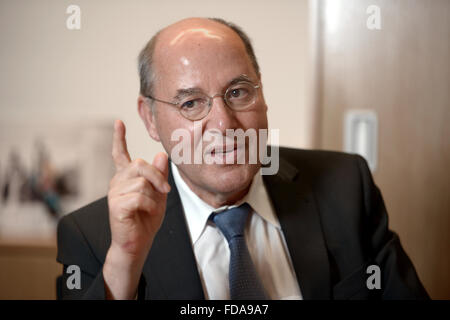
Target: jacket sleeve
point(74, 250)
point(399, 279)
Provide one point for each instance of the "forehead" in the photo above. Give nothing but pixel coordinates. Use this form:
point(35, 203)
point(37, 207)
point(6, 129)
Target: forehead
point(199, 53)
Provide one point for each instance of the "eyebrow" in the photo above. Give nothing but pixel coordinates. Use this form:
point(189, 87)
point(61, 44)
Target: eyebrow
point(181, 93)
point(240, 78)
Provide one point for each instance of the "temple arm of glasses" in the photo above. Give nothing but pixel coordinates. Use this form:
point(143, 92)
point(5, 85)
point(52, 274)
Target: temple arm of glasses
point(171, 103)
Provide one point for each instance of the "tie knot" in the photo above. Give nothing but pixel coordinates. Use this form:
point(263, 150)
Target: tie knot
point(232, 221)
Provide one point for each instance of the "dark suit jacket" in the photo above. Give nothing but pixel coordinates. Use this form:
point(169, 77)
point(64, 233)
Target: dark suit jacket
point(332, 216)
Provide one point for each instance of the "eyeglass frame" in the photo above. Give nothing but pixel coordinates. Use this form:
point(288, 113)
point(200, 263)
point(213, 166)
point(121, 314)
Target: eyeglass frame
point(210, 99)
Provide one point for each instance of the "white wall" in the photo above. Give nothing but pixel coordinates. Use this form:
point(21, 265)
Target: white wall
point(51, 74)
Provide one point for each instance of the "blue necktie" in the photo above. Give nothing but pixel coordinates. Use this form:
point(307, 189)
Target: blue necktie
point(244, 281)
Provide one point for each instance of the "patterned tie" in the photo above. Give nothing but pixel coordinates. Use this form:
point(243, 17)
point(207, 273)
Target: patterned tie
point(244, 281)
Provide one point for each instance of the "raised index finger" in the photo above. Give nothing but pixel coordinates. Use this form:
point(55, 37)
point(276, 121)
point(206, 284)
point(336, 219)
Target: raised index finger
point(119, 149)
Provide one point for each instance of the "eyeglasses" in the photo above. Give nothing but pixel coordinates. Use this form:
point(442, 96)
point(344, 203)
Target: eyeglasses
point(196, 105)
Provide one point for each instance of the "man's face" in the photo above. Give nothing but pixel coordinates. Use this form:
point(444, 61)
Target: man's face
point(206, 57)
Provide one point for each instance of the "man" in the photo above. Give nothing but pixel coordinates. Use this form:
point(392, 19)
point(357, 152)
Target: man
point(197, 230)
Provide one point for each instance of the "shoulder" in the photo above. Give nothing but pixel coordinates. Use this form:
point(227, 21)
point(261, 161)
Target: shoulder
point(84, 231)
point(323, 165)
point(91, 214)
point(341, 183)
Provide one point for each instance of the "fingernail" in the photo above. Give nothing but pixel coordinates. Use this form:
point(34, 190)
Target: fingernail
point(166, 187)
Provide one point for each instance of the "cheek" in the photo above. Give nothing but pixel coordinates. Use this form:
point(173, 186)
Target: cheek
point(195, 133)
point(184, 132)
point(256, 119)
point(167, 122)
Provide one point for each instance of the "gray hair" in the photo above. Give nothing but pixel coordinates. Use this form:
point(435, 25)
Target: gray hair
point(145, 60)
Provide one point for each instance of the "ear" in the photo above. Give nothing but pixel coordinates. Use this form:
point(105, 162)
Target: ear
point(146, 112)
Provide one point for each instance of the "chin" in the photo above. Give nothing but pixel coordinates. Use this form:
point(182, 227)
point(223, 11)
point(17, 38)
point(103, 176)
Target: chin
point(229, 178)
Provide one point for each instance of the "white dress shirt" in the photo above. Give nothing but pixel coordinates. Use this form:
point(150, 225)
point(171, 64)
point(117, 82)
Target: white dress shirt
point(263, 234)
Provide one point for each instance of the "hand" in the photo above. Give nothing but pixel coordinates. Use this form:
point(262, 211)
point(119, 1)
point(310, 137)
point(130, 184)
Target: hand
point(137, 201)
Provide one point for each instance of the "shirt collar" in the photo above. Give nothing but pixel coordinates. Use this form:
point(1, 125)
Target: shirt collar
point(258, 198)
point(198, 211)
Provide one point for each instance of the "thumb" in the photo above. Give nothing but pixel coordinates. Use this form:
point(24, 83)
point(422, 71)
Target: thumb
point(161, 162)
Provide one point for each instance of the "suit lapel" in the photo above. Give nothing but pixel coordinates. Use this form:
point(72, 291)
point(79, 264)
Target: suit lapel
point(295, 207)
point(170, 269)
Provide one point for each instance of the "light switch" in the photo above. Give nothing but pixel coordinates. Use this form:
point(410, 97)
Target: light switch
point(361, 135)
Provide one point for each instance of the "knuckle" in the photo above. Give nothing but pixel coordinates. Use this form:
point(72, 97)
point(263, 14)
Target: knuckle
point(142, 181)
point(139, 162)
point(143, 184)
point(114, 180)
point(139, 200)
point(122, 216)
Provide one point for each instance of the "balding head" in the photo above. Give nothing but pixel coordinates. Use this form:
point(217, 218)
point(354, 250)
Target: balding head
point(181, 33)
point(194, 59)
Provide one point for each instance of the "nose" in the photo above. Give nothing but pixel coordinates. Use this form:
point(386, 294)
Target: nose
point(220, 116)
